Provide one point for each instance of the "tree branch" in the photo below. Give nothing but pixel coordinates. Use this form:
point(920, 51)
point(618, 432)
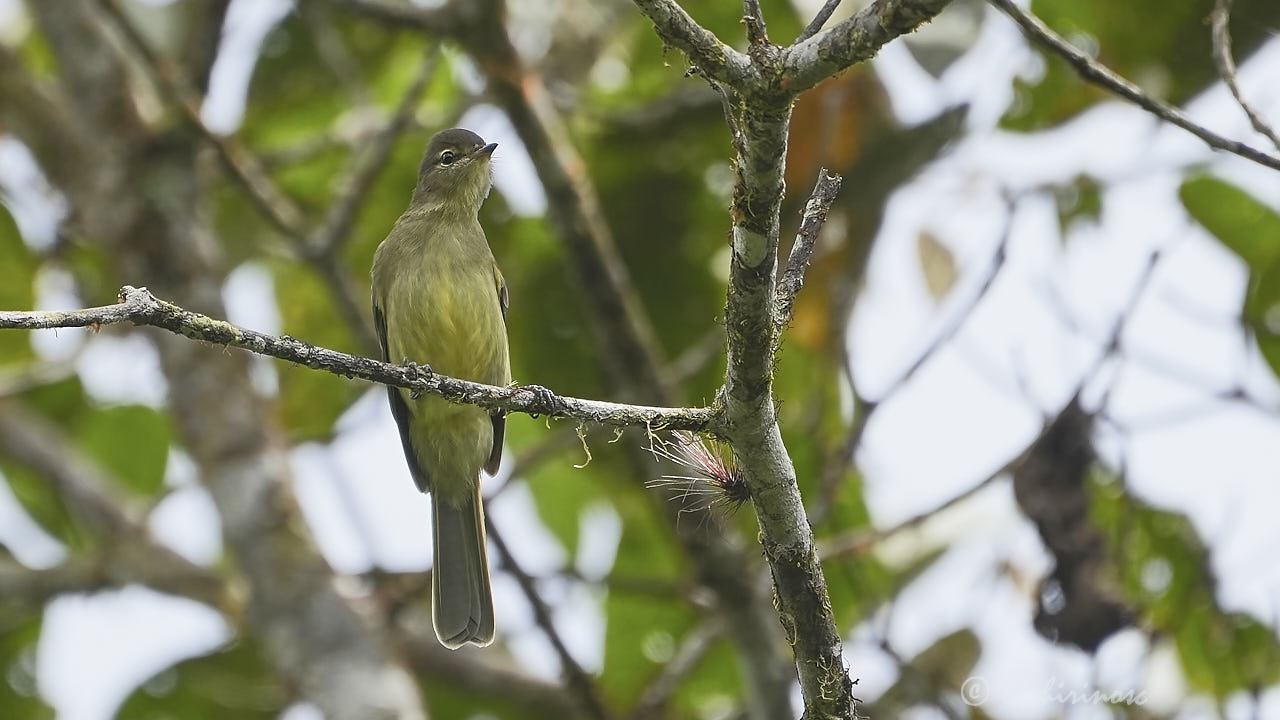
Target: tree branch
point(327, 653)
point(1094, 72)
point(439, 21)
point(760, 119)
point(467, 671)
point(711, 56)
point(800, 589)
point(1223, 58)
point(753, 18)
point(815, 214)
point(140, 307)
point(819, 19)
point(859, 38)
point(129, 553)
point(118, 567)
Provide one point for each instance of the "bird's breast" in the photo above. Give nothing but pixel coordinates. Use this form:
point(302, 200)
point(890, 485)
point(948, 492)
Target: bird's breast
point(447, 315)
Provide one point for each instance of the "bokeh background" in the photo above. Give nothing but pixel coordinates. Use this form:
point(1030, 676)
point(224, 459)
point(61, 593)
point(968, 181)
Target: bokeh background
point(1030, 389)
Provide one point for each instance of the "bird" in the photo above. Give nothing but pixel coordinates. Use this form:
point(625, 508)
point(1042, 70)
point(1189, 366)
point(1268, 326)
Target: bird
point(440, 303)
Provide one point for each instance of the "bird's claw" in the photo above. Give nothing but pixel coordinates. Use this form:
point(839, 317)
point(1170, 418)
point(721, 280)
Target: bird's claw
point(415, 372)
point(547, 399)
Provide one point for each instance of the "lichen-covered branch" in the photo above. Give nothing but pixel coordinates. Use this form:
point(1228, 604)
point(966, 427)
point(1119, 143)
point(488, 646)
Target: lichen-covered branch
point(140, 307)
point(855, 40)
point(815, 215)
point(711, 56)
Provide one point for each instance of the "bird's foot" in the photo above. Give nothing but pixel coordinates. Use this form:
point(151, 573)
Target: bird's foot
point(416, 372)
point(546, 399)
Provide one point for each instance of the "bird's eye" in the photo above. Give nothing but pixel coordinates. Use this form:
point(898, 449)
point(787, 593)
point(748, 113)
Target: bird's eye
point(447, 157)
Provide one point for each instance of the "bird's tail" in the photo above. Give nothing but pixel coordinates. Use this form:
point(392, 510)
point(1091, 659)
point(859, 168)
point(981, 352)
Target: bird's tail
point(461, 599)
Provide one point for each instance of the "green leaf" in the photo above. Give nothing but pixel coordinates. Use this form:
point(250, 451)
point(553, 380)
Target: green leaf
point(1250, 229)
point(131, 442)
point(61, 402)
point(43, 503)
point(1262, 312)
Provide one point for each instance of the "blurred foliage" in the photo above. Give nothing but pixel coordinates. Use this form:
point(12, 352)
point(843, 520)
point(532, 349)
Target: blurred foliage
point(1164, 567)
point(656, 147)
point(1161, 45)
point(235, 682)
point(18, 692)
point(1079, 202)
point(17, 263)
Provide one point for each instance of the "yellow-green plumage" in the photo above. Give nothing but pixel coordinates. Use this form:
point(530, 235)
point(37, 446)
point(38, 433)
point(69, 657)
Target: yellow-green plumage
point(439, 301)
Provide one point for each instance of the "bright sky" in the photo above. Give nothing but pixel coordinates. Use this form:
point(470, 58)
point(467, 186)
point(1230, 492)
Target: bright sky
point(973, 406)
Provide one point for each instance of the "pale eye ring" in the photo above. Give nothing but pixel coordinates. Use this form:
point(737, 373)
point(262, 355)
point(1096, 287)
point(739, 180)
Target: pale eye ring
point(447, 157)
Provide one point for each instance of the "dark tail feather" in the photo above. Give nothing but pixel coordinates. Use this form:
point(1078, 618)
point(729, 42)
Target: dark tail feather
point(461, 599)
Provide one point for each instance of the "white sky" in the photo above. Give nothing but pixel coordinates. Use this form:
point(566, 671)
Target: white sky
point(964, 414)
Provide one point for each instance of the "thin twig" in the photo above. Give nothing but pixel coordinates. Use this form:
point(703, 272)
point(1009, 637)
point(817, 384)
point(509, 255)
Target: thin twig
point(1224, 59)
point(1092, 71)
point(857, 542)
point(815, 214)
point(1112, 344)
point(753, 18)
point(860, 541)
point(868, 405)
point(824, 14)
point(583, 686)
point(130, 554)
point(140, 307)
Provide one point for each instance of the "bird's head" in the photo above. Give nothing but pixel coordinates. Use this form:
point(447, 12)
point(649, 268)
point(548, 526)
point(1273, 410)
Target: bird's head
point(455, 174)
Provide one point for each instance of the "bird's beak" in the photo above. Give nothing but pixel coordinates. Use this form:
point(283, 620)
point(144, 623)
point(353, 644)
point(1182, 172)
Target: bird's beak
point(487, 150)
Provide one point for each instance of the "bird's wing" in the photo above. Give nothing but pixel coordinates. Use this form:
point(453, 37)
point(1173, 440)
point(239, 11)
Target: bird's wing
point(399, 410)
point(498, 418)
